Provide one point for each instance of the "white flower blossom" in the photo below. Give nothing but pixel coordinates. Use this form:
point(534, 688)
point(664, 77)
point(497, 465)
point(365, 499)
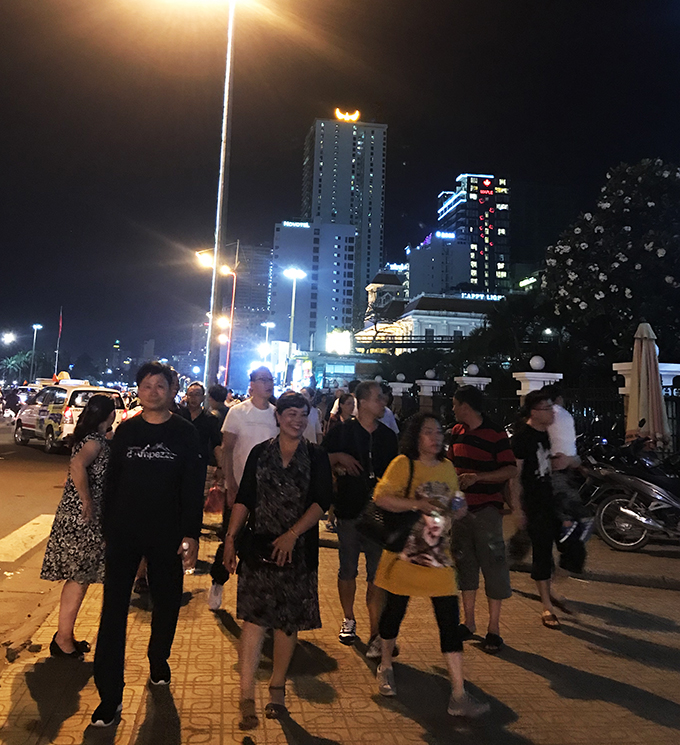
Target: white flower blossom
point(628, 293)
point(583, 306)
point(557, 311)
point(599, 295)
point(627, 228)
point(669, 279)
point(666, 174)
point(604, 205)
point(577, 230)
point(570, 262)
point(651, 204)
point(588, 216)
point(599, 229)
point(638, 266)
point(572, 275)
point(602, 277)
point(551, 262)
point(613, 288)
point(615, 265)
point(626, 200)
point(649, 246)
point(584, 245)
point(661, 252)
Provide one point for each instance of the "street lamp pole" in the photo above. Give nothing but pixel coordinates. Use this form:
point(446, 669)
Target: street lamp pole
point(212, 348)
point(231, 328)
point(293, 274)
point(36, 328)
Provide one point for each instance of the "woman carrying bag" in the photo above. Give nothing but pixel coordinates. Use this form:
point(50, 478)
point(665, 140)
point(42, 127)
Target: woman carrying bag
point(285, 489)
point(424, 566)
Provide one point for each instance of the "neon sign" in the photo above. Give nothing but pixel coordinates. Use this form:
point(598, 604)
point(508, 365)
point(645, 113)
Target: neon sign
point(445, 236)
point(346, 116)
point(287, 224)
point(486, 182)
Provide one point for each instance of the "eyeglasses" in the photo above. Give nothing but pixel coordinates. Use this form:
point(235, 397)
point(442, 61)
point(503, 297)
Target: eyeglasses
point(263, 380)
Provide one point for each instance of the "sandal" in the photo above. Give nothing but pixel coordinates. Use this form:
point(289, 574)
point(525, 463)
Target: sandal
point(465, 632)
point(273, 710)
point(492, 643)
point(249, 718)
point(550, 620)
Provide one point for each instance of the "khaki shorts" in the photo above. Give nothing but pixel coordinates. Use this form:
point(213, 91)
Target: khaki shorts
point(477, 543)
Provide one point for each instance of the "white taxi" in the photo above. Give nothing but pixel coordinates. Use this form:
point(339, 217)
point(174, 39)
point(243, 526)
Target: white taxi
point(51, 415)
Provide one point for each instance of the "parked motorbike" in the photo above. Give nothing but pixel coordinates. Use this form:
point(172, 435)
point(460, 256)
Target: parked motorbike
point(633, 493)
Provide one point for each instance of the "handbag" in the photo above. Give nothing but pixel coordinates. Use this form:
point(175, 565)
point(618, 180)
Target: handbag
point(389, 530)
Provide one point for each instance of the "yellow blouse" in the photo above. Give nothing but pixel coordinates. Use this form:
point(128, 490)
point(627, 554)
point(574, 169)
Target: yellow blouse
point(424, 568)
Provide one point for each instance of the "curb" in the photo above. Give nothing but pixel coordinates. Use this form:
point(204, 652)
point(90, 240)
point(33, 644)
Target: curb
point(633, 580)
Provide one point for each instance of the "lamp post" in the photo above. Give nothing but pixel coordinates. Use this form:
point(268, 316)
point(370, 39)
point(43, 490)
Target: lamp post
point(294, 274)
point(267, 325)
point(36, 328)
point(211, 347)
point(226, 271)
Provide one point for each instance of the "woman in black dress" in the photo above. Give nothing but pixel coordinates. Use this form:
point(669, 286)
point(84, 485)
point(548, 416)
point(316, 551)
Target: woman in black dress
point(75, 549)
point(285, 489)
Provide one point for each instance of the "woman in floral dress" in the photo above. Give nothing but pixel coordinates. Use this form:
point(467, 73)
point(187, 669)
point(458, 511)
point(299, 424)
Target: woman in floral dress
point(285, 489)
point(75, 549)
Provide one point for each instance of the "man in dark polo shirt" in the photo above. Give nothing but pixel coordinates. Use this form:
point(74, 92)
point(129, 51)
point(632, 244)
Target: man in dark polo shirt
point(359, 450)
point(483, 458)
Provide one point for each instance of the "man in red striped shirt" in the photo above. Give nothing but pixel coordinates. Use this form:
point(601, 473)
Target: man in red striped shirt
point(483, 458)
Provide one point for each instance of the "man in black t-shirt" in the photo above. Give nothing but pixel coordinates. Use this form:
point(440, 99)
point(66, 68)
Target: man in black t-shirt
point(359, 450)
point(153, 507)
point(531, 446)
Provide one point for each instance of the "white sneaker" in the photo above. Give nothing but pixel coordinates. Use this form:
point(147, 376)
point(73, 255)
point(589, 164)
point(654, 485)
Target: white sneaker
point(466, 706)
point(348, 631)
point(215, 596)
point(374, 648)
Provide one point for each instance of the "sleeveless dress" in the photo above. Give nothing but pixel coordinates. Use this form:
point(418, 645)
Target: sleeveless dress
point(75, 548)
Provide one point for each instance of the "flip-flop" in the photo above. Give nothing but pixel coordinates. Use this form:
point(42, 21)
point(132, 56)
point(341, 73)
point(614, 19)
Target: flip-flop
point(551, 621)
point(492, 643)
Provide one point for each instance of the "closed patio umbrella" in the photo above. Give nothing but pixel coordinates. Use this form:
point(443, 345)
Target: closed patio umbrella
point(646, 396)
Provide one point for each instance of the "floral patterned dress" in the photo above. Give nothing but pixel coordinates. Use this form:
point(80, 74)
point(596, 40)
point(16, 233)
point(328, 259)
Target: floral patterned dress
point(75, 549)
point(284, 598)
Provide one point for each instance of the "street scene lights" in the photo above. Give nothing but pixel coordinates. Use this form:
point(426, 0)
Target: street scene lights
point(294, 274)
point(36, 328)
point(8, 338)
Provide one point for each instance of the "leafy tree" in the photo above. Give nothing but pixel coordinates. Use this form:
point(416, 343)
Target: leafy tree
point(18, 365)
point(620, 264)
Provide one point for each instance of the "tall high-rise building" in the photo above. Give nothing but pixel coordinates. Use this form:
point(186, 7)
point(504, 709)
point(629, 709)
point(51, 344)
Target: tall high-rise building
point(344, 182)
point(324, 298)
point(478, 212)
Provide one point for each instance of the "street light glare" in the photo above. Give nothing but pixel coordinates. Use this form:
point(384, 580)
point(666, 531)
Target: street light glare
point(268, 324)
point(205, 258)
point(8, 337)
point(37, 326)
point(294, 273)
point(223, 338)
point(225, 269)
point(222, 322)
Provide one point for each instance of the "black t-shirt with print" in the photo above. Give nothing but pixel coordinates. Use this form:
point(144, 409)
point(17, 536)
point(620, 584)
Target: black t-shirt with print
point(154, 491)
point(533, 447)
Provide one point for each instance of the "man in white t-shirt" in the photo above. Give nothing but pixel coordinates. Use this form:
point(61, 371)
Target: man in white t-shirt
point(247, 424)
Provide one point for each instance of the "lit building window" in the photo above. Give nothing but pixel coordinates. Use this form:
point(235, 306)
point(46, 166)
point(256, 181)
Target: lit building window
point(473, 272)
point(473, 246)
point(501, 231)
point(473, 280)
point(473, 195)
point(502, 206)
point(501, 275)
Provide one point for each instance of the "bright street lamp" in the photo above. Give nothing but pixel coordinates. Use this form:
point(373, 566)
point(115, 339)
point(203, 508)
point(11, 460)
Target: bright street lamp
point(8, 338)
point(36, 328)
point(267, 325)
point(294, 274)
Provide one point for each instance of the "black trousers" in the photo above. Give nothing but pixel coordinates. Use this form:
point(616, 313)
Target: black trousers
point(218, 571)
point(543, 527)
point(165, 575)
point(445, 611)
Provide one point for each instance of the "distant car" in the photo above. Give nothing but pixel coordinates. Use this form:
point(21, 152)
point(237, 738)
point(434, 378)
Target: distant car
point(51, 415)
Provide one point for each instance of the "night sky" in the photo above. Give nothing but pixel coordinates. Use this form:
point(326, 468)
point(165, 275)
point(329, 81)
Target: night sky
point(111, 115)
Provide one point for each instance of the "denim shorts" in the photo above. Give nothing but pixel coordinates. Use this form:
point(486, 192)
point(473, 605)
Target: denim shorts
point(350, 544)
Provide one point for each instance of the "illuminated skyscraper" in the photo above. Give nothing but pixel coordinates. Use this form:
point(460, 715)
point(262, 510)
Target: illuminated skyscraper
point(478, 212)
point(344, 182)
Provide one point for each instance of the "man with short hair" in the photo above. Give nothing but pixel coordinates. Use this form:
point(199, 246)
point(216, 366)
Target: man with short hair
point(359, 450)
point(247, 424)
point(153, 507)
point(207, 426)
point(481, 453)
point(216, 402)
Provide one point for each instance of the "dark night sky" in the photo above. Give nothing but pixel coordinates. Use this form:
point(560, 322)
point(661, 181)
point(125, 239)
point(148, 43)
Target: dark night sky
point(111, 124)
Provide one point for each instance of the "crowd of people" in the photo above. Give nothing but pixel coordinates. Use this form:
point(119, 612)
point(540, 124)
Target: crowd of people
point(133, 503)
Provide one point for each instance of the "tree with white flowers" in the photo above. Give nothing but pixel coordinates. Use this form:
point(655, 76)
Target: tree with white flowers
point(620, 263)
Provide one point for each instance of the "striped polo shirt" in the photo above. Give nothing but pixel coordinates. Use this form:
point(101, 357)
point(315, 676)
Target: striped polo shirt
point(481, 450)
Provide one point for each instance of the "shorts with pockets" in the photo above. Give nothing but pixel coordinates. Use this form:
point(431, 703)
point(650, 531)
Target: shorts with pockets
point(350, 544)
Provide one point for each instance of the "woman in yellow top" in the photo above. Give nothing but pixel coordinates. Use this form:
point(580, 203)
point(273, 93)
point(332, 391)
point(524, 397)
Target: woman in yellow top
point(424, 567)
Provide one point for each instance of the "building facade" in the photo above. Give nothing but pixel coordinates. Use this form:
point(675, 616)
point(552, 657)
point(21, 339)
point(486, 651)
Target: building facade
point(440, 265)
point(325, 297)
point(478, 213)
point(344, 183)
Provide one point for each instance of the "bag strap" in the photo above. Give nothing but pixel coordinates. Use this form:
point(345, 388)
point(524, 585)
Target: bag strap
point(410, 477)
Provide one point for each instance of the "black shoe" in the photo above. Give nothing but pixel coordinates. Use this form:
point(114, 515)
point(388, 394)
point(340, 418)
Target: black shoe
point(465, 633)
point(57, 651)
point(160, 674)
point(82, 646)
point(141, 586)
point(105, 714)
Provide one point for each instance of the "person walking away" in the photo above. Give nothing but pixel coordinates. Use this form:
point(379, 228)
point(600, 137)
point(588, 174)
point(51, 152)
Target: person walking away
point(313, 432)
point(153, 508)
point(531, 446)
point(75, 548)
point(481, 454)
point(577, 523)
point(247, 424)
point(359, 450)
point(422, 480)
point(284, 491)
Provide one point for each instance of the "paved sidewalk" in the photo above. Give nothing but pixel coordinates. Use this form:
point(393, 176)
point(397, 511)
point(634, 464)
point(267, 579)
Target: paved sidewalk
point(611, 676)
